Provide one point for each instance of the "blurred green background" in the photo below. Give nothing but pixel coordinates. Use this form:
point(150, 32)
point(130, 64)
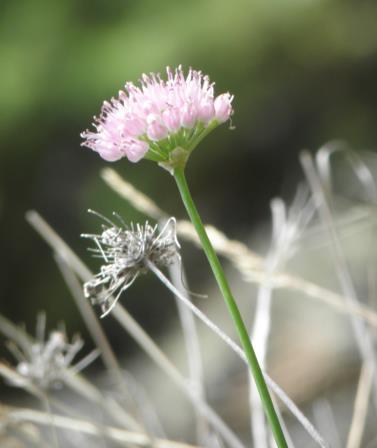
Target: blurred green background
point(302, 72)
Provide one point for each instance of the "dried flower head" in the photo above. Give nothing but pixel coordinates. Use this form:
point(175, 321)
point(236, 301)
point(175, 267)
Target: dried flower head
point(127, 252)
point(43, 361)
point(158, 117)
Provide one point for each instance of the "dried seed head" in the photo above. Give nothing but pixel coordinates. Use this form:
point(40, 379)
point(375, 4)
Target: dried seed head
point(43, 361)
point(126, 252)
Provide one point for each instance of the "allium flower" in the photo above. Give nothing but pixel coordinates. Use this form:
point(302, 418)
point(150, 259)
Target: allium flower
point(127, 252)
point(158, 117)
point(43, 361)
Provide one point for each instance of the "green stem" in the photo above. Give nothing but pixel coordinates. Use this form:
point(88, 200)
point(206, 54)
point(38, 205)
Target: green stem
point(218, 272)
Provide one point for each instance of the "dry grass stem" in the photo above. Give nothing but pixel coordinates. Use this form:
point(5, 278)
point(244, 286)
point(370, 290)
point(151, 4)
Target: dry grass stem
point(23, 432)
point(90, 319)
point(360, 409)
point(362, 334)
point(191, 339)
point(84, 426)
point(324, 417)
point(90, 392)
point(139, 200)
point(10, 375)
point(15, 333)
point(287, 227)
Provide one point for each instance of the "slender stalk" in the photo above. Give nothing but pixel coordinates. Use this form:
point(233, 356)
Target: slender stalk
point(47, 405)
point(91, 428)
point(193, 353)
point(222, 282)
point(360, 410)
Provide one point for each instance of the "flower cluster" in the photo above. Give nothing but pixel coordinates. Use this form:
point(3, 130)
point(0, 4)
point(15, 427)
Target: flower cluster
point(43, 361)
point(127, 252)
point(153, 120)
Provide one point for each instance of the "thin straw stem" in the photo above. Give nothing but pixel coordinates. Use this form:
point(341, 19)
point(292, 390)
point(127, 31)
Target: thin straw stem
point(47, 405)
point(191, 339)
point(361, 332)
point(360, 411)
point(90, 319)
point(129, 438)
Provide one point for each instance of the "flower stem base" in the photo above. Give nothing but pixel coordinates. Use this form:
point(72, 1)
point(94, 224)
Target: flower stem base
point(177, 160)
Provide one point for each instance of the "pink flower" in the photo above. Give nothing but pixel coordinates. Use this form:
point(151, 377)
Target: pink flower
point(159, 116)
point(223, 107)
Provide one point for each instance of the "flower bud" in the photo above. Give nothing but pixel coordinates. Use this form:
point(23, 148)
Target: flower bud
point(223, 107)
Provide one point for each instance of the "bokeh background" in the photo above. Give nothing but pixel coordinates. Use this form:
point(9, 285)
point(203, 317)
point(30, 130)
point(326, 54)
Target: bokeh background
point(302, 72)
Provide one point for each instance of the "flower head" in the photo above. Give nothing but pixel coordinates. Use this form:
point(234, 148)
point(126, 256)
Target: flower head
point(158, 117)
point(127, 252)
point(43, 361)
